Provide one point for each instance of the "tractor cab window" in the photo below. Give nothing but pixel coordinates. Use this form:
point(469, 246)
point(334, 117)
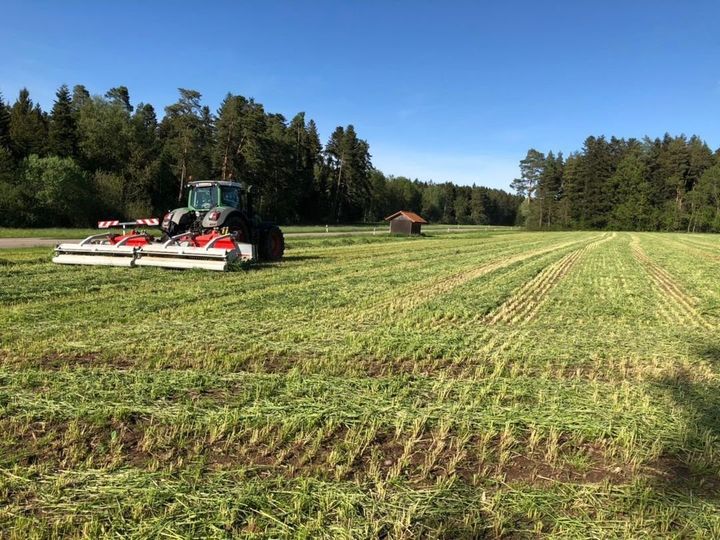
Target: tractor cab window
point(230, 196)
point(203, 198)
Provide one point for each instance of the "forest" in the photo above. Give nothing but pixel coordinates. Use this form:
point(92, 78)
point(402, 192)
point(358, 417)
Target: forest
point(662, 184)
point(101, 157)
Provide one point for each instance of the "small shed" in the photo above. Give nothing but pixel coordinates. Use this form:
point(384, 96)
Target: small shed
point(404, 222)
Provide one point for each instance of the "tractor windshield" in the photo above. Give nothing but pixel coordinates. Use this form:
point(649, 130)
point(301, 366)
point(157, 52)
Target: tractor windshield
point(203, 198)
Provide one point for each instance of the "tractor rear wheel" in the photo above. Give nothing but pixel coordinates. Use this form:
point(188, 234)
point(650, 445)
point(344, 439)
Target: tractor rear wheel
point(272, 244)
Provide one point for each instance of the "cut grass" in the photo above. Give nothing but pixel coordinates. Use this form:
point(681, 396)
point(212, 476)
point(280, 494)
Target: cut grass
point(458, 386)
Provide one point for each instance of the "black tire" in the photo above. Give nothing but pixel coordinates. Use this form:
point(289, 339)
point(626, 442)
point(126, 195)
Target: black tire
point(237, 225)
point(272, 244)
point(186, 224)
point(172, 230)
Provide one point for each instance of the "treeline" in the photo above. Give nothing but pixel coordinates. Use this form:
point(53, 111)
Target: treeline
point(669, 184)
point(99, 157)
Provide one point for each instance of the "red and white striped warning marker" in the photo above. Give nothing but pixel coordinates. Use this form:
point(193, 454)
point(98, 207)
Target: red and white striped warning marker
point(108, 224)
point(150, 222)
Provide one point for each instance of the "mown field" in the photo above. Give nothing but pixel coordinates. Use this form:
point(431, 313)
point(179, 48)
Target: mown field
point(473, 385)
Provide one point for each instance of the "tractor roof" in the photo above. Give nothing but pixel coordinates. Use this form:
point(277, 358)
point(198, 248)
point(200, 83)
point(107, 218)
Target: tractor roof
point(206, 183)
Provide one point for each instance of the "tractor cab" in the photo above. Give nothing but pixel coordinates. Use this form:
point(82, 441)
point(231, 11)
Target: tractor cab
point(212, 204)
point(203, 196)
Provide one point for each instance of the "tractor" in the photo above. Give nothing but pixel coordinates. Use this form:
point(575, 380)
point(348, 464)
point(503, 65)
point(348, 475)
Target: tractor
point(227, 207)
point(217, 229)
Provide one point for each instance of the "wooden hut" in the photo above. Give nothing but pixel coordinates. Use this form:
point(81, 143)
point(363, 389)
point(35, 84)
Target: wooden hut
point(404, 222)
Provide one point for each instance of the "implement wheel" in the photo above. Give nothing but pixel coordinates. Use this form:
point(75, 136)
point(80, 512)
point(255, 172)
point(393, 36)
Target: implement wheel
point(272, 244)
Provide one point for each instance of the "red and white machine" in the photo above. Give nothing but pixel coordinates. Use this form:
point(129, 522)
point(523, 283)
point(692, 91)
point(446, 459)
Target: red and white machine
point(214, 250)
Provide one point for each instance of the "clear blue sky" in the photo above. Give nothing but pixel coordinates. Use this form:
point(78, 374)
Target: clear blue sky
point(441, 90)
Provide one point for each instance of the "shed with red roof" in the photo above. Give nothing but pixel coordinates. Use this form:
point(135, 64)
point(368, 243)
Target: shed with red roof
point(405, 222)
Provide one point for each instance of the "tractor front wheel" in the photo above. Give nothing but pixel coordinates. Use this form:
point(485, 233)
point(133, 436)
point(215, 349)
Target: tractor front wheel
point(238, 227)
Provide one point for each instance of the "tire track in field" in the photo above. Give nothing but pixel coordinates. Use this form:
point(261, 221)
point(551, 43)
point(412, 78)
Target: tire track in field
point(422, 290)
point(698, 242)
point(526, 301)
point(678, 306)
point(523, 304)
point(506, 343)
point(483, 317)
point(471, 319)
point(700, 249)
point(424, 293)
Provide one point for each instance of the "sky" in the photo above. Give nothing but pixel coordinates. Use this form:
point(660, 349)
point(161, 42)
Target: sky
point(442, 91)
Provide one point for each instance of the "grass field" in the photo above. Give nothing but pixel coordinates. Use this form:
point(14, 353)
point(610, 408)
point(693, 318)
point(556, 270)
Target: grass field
point(458, 386)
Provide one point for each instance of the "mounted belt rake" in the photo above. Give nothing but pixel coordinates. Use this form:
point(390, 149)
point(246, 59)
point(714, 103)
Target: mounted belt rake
point(209, 251)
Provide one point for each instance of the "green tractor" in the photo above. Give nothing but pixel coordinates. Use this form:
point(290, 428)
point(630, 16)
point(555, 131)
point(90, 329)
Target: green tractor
point(225, 207)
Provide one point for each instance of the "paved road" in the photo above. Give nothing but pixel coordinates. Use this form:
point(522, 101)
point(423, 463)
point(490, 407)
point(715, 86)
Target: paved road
point(29, 242)
point(43, 242)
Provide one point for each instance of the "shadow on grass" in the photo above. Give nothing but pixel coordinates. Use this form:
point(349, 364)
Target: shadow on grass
point(247, 266)
point(692, 465)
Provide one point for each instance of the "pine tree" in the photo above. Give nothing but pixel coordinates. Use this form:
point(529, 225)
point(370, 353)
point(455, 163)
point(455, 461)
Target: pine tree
point(701, 159)
point(62, 132)
point(596, 167)
point(280, 188)
point(80, 97)
point(142, 174)
point(28, 130)
point(120, 95)
point(304, 145)
point(675, 162)
point(4, 124)
point(479, 203)
point(448, 203)
point(543, 211)
point(462, 205)
point(227, 156)
point(10, 197)
point(630, 200)
point(569, 205)
point(431, 206)
point(530, 170)
point(241, 144)
point(315, 204)
point(705, 197)
point(182, 132)
point(348, 159)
